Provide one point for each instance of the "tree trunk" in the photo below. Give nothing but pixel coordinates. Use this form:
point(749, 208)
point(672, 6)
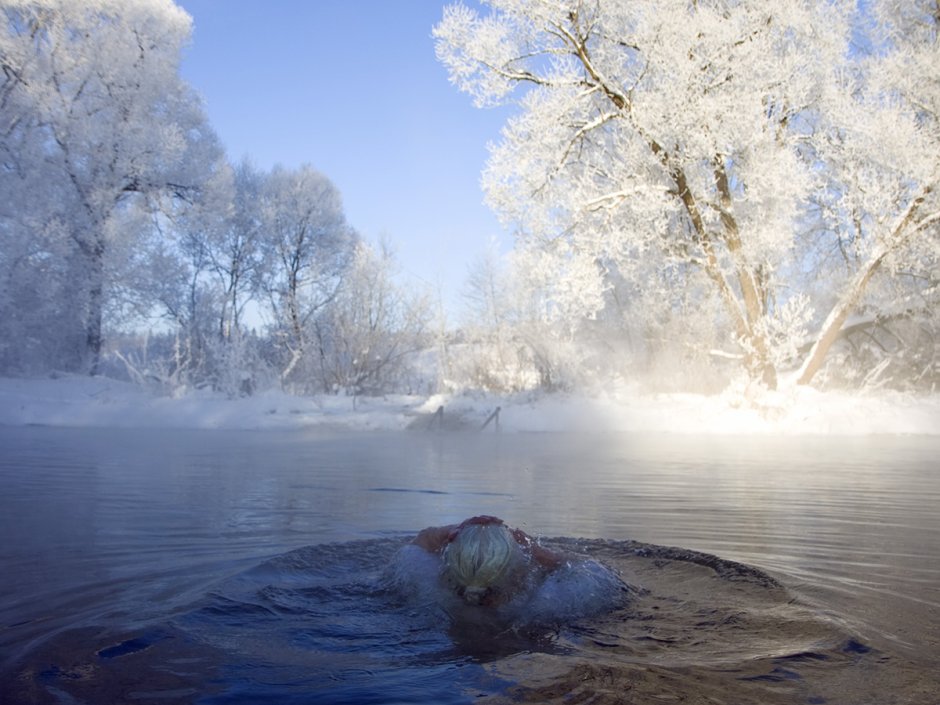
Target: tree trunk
point(757, 359)
point(298, 349)
point(899, 234)
point(296, 356)
point(840, 312)
point(93, 322)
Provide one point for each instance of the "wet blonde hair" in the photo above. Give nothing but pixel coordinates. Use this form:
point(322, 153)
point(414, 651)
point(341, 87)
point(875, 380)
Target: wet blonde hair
point(480, 557)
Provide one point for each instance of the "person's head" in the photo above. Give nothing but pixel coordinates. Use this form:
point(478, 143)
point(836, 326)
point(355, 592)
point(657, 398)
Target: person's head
point(481, 560)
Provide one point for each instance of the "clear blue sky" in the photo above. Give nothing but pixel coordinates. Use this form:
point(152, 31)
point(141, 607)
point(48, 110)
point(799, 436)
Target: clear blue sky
point(353, 88)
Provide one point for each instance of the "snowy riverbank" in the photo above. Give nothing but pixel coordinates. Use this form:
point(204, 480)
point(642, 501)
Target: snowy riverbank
point(102, 402)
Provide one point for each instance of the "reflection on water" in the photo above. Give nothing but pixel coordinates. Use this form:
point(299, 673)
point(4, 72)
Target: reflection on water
point(252, 567)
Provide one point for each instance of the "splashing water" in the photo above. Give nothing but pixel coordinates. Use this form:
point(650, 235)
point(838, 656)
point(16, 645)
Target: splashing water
point(579, 588)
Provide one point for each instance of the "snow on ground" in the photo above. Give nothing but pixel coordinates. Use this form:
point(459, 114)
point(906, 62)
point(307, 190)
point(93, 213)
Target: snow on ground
point(99, 401)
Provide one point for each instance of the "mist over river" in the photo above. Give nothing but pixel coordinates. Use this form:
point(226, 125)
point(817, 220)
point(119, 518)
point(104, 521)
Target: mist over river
point(218, 566)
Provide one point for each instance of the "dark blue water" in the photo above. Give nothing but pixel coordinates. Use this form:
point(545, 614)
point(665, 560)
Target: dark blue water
point(224, 567)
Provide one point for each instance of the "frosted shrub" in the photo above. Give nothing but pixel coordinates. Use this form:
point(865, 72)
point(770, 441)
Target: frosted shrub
point(787, 331)
point(369, 333)
point(237, 368)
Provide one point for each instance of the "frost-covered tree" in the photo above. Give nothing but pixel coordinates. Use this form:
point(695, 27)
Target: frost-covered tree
point(189, 279)
point(372, 328)
point(207, 269)
point(514, 337)
point(489, 324)
point(93, 118)
point(308, 247)
point(881, 156)
point(493, 354)
point(697, 136)
point(231, 233)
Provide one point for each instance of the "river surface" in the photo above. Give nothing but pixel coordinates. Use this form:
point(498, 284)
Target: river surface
point(172, 566)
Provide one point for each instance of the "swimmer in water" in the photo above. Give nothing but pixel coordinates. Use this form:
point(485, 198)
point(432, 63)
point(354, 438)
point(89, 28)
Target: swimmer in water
point(484, 561)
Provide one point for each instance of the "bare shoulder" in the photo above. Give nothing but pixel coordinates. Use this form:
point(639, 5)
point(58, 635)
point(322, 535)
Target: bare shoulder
point(433, 538)
point(545, 557)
